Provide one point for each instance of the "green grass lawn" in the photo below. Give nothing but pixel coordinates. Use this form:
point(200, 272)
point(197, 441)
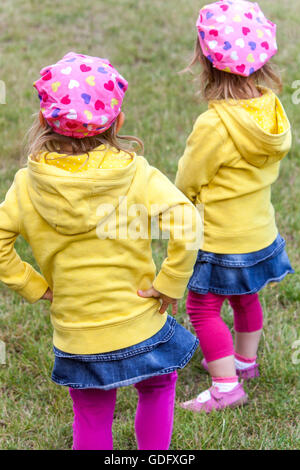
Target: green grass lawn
point(149, 41)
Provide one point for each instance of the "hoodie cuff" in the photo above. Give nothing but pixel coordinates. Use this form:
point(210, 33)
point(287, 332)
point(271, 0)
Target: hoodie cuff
point(35, 287)
point(173, 287)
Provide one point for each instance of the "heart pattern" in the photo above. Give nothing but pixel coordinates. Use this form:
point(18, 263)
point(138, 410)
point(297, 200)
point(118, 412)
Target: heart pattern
point(81, 96)
point(265, 45)
point(71, 125)
point(88, 114)
point(55, 113)
point(246, 31)
point(232, 36)
point(240, 43)
point(86, 98)
point(114, 103)
point(85, 68)
point(91, 80)
point(229, 29)
point(109, 86)
point(263, 57)
point(73, 84)
point(121, 85)
point(65, 100)
point(227, 46)
point(224, 7)
point(99, 105)
point(237, 19)
point(47, 76)
point(102, 70)
point(72, 114)
point(67, 71)
point(44, 97)
point(55, 86)
point(213, 44)
point(241, 68)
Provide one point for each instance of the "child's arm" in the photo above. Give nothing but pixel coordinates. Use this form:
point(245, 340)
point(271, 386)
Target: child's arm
point(16, 274)
point(202, 158)
point(176, 215)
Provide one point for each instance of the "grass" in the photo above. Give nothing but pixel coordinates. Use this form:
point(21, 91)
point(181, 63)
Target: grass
point(149, 42)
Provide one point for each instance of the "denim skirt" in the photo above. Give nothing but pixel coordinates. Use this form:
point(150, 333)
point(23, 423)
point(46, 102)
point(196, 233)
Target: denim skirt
point(240, 274)
point(168, 350)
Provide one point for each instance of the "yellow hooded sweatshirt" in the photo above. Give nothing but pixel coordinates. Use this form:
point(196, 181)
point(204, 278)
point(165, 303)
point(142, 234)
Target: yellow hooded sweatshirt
point(94, 278)
point(229, 165)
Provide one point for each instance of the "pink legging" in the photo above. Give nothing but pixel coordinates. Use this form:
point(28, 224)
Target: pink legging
point(215, 338)
point(94, 412)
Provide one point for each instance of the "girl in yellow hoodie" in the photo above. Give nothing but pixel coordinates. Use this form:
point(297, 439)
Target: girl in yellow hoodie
point(87, 206)
point(231, 160)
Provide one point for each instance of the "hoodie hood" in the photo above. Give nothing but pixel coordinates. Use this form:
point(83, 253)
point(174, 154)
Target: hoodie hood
point(69, 201)
point(256, 146)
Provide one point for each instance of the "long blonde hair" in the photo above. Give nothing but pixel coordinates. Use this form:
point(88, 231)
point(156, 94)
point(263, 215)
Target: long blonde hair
point(42, 137)
point(217, 85)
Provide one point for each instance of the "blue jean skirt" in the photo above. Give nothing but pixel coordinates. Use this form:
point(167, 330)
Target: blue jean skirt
point(168, 350)
point(240, 274)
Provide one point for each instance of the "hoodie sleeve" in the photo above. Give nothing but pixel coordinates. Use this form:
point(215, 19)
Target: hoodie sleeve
point(202, 158)
point(16, 274)
point(180, 222)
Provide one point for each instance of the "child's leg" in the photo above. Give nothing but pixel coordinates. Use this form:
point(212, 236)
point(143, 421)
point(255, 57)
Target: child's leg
point(217, 346)
point(93, 417)
point(155, 412)
point(248, 324)
point(214, 335)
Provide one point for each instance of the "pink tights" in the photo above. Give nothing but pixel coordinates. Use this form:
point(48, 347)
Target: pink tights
point(214, 335)
point(94, 411)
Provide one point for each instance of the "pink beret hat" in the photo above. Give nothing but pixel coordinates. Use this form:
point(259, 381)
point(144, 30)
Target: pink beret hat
point(81, 96)
point(236, 37)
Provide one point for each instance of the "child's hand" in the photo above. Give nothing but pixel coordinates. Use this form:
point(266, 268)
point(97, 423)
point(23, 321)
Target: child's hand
point(166, 301)
point(48, 295)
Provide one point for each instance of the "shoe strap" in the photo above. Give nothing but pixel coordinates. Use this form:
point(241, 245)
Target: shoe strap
point(216, 395)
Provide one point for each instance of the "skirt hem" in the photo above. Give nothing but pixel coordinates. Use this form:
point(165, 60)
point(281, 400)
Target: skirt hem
point(213, 290)
point(133, 380)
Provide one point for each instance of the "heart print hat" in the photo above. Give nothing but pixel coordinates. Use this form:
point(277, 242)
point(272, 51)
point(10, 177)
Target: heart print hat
point(236, 37)
point(81, 96)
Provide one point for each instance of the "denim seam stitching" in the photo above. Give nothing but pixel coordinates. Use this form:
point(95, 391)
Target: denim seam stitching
point(125, 355)
point(225, 263)
point(134, 380)
point(214, 290)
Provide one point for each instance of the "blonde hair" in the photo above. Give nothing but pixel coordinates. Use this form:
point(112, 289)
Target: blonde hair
point(218, 85)
point(42, 137)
